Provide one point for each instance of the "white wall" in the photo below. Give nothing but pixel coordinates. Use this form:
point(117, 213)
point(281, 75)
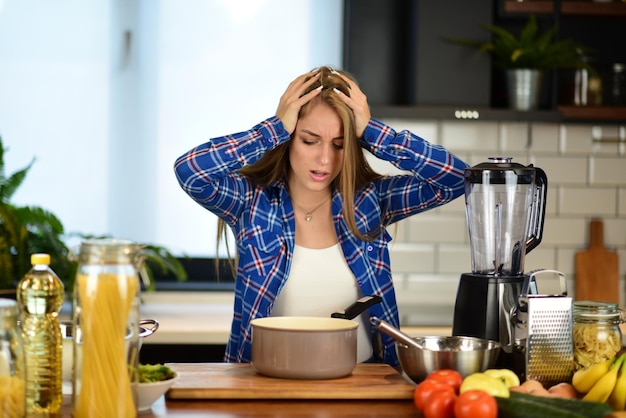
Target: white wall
point(107, 93)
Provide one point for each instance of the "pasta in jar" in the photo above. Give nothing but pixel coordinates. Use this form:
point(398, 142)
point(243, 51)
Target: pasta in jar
point(596, 333)
point(106, 317)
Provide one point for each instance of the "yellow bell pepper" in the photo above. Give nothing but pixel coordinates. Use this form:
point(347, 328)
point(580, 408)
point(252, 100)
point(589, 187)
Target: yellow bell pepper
point(508, 377)
point(486, 383)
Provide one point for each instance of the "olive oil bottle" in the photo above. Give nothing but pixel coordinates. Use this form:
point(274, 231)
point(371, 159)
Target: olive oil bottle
point(40, 297)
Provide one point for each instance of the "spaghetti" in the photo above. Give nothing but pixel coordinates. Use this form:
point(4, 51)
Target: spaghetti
point(105, 384)
point(12, 397)
point(594, 343)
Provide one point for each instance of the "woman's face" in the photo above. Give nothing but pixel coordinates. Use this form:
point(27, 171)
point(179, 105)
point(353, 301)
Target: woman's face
point(316, 151)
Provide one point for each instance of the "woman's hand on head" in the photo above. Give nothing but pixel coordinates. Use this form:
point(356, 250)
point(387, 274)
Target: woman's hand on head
point(294, 98)
point(357, 101)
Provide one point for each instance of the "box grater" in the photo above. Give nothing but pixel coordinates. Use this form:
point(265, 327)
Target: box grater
point(543, 347)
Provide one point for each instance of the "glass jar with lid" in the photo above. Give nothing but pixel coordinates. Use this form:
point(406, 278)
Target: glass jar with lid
point(106, 321)
point(597, 335)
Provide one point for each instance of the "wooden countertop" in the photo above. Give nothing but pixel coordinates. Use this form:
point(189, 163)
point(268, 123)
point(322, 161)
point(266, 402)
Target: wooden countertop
point(239, 381)
point(378, 390)
point(273, 408)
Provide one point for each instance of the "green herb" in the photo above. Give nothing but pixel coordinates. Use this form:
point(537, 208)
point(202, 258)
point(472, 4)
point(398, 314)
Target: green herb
point(149, 373)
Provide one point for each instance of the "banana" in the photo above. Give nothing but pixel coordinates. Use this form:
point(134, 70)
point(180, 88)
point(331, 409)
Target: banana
point(603, 388)
point(617, 400)
point(584, 379)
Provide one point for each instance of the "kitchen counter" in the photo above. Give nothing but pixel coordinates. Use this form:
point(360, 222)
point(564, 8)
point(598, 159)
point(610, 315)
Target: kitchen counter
point(235, 390)
point(205, 318)
point(274, 408)
point(268, 408)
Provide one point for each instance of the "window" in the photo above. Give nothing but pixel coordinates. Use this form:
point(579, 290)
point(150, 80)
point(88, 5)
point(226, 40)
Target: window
point(106, 94)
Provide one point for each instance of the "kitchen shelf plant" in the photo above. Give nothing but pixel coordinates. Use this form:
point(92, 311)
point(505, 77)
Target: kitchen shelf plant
point(527, 56)
point(25, 230)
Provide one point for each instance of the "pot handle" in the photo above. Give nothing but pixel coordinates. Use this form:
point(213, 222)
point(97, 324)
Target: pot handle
point(146, 332)
point(357, 307)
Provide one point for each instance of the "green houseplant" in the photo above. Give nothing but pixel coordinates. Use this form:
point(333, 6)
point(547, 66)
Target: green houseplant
point(527, 56)
point(30, 229)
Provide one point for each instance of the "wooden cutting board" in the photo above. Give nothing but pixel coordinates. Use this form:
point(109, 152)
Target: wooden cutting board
point(240, 381)
point(597, 275)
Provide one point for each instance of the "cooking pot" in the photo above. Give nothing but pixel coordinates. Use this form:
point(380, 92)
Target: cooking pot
point(301, 347)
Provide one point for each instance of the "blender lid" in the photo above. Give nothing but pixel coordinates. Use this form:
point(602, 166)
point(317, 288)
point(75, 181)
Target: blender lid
point(500, 169)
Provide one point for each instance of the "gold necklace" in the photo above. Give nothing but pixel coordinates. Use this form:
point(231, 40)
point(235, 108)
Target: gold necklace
point(308, 214)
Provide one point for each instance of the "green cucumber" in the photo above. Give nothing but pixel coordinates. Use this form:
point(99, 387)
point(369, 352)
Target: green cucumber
point(522, 405)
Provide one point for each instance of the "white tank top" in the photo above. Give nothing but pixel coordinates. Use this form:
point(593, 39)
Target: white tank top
point(320, 283)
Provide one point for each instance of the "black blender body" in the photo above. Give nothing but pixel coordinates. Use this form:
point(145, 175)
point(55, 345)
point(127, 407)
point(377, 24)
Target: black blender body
point(505, 211)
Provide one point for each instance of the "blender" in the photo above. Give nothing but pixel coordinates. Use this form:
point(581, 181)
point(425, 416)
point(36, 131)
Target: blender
point(505, 210)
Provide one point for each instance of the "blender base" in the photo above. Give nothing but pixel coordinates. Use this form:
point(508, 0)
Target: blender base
point(483, 309)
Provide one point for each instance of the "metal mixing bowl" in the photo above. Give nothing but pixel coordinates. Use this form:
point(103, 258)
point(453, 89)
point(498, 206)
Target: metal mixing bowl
point(466, 355)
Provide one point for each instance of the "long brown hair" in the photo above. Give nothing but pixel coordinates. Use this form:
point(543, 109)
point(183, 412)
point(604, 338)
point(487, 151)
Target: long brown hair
point(355, 172)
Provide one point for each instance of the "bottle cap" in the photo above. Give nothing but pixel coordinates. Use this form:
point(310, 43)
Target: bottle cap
point(40, 258)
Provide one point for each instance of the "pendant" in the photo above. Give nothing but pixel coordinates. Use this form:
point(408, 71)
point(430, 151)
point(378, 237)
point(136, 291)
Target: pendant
point(308, 217)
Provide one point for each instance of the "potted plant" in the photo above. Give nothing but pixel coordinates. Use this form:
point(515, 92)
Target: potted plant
point(526, 58)
point(30, 229)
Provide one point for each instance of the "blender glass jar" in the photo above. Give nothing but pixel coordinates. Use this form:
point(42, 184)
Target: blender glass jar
point(505, 209)
point(597, 335)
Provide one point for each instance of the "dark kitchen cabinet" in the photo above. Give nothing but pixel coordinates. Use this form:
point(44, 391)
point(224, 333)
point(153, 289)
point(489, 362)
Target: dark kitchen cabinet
point(397, 51)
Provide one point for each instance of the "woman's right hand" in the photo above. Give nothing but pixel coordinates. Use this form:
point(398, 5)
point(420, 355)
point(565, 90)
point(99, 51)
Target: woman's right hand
point(293, 99)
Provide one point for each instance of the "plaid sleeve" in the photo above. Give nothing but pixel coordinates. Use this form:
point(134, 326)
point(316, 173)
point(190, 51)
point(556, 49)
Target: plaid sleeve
point(436, 174)
point(208, 172)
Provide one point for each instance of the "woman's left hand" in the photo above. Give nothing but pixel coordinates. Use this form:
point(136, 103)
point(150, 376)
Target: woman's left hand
point(357, 101)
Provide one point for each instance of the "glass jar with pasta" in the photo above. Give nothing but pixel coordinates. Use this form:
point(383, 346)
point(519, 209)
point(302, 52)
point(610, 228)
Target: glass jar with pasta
point(106, 321)
point(597, 335)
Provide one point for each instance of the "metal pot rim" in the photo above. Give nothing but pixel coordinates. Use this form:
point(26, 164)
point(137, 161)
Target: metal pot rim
point(304, 323)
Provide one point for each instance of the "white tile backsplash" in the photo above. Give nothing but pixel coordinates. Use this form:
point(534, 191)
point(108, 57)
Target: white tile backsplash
point(562, 231)
point(431, 250)
point(565, 260)
point(470, 135)
point(588, 201)
point(429, 130)
point(409, 258)
point(544, 137)
point(621, 210)
point(438, 229)
point(514, 136)
point(453, 259)
point(576, 139)
point(563, 170)
point(606, 170)
point(615, 232)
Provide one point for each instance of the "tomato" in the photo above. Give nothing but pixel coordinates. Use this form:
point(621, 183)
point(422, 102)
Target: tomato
point(440, 404)
point(475, 404)
point(448, 376)
point(425, 388)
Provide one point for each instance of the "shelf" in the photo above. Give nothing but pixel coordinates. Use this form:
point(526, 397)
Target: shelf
point(596, 113)
point(538, 7)
point(463, 113)
point(574, 8)
point(564, 113)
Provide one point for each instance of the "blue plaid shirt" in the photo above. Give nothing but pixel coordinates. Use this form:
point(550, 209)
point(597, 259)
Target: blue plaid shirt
point(263, 219)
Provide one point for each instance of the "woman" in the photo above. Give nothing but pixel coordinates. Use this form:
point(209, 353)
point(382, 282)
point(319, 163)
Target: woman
point(309, 214)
